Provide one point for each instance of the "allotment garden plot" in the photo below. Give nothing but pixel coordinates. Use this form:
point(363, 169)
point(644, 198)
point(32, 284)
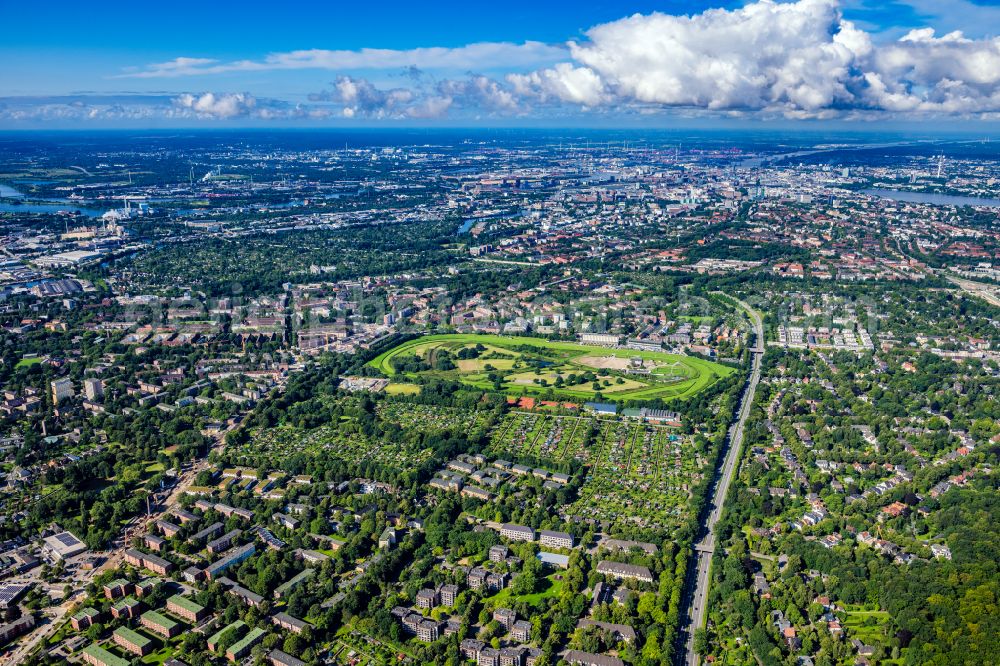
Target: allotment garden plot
point(523, 365)
point(272, 446)
point(639, 475)
point(432, 418)
point(542, 436)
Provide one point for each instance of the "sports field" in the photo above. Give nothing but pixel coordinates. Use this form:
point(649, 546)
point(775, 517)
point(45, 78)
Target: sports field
point(519, 365)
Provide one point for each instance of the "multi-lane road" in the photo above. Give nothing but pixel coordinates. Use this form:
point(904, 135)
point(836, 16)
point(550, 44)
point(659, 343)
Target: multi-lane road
point(988, 292)
point(694, 605)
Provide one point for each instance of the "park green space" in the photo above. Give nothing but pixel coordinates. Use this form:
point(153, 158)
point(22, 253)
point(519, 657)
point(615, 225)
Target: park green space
point(868, 626)
point(523, 365)
point(402, 389)
point(550, 586)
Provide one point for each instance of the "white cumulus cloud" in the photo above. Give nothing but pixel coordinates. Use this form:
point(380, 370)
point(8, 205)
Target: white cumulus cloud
point(797, 59)
point(947, 74)
point(564, 82)
point(763, 56)
point(361, 98)
point(478, 91)
point(217, 105)
point(800, 59)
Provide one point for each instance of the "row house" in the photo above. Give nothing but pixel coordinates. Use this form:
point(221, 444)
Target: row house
point(160, 624)
point(622, 570)
point(555, 539)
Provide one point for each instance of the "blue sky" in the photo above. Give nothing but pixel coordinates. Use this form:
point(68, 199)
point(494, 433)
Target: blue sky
point(83, 44)
point(185, 63)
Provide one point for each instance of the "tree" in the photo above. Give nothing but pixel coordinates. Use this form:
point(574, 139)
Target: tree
point(523, 583)
point(651, 650)
point(701, 643)
point(293, 644)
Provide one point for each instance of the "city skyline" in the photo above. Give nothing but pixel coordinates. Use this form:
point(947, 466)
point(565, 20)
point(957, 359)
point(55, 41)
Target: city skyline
point(645, 64)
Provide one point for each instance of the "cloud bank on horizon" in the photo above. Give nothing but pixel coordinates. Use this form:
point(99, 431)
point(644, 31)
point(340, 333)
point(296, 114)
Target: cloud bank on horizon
point(794, 60)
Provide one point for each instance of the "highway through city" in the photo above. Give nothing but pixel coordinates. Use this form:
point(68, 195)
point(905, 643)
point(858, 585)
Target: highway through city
point(988, 292)
point(694, 603)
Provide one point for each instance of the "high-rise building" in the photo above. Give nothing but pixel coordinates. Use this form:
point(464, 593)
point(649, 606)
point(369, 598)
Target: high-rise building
point(94, 389)
point(62, 389)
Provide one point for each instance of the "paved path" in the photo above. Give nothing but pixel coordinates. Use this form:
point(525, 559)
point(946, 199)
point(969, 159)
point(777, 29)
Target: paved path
point(694, 603)
point(44, 629)
point(137, 527)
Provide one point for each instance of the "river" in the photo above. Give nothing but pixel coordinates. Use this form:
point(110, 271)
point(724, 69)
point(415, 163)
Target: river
point(472, 221)
point(42, 205)
point(933, 198)
point(757, 162)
